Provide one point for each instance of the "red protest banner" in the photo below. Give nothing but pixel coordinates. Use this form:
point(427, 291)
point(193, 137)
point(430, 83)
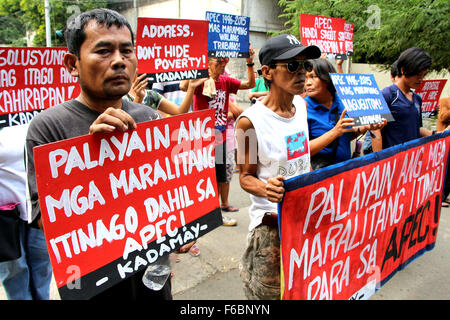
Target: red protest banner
point(325, 32)
point(172, 49)
point(430, 91)
point(32, 79)
point(113, 203)
point(346, 229)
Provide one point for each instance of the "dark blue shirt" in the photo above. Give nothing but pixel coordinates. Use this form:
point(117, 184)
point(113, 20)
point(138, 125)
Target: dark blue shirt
point(321, 120)
point(407, 115)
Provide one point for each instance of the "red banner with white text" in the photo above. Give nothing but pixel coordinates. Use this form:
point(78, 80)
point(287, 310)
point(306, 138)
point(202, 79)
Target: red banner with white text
point(346, 229)
point(113, 203)
point(32, 79)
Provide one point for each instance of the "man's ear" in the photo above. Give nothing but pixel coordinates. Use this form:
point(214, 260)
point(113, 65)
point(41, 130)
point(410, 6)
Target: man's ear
point(266, 72)
point(71, 64)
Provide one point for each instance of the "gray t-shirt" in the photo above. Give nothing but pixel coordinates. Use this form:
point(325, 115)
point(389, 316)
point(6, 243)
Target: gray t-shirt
point(67, 120)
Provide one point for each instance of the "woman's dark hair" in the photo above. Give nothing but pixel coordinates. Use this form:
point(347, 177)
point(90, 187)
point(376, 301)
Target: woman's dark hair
point(413, 61)
point(74, 32)
point(323, 68)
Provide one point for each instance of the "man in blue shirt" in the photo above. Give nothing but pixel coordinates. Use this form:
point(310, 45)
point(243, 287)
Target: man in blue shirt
point(405, 105)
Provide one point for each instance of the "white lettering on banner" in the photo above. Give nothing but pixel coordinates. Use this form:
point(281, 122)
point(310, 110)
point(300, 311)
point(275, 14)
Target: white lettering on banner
point(227, 54)
point(323, 23)
point(218, 45)
point(167, 31)
point(29, 99)
point(375, 118)
point(372, 207)
point(169, 205)
point(362, 104)
point(177, 75)
point(309, 32)
point(170, 64)
point(432, 85)
point(324, 45)
point(129, 145)
point(7, 78)
point(177, 239)
point(15, 119)
point(233, 30)
point(228, 37)
point(26, 57)
point(36, 76)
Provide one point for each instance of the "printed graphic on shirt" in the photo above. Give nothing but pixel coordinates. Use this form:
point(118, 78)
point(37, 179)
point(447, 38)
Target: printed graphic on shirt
point(294, 168)
point(297, 145)
point(218, 104)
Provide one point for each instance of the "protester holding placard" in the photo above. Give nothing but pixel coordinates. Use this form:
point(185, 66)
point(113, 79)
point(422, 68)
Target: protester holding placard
point(25, 270)
point(214, 94)
point(405, 105)
point(330, 131)
point(102, 57)
point(272, 138)
point(171, 91)
point(140, 94)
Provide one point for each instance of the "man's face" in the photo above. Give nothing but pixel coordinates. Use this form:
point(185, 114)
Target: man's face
point(290, 80)
point(414, 81)
point(107, 63)
point(217, 66)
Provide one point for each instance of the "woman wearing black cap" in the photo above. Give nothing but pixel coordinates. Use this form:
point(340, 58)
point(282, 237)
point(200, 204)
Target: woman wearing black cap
point(273, 145)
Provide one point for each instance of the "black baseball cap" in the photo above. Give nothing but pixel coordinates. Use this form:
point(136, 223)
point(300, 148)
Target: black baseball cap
point(285, 46)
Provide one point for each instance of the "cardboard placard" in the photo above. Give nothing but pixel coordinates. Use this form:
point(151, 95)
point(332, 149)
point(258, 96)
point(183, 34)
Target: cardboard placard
point(361, 97)
point(113, 203)
point(325, 32)
point(31, 80)
point(430, 91)
point(172, 49)
point(348, 38)
point(228, 35)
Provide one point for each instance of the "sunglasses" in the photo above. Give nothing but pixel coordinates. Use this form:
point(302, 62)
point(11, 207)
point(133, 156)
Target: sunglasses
point(296, 65)
point(220, 60)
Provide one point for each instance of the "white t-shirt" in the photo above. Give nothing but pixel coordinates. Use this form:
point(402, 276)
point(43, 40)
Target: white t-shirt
point(283, 148)
point(12, 167)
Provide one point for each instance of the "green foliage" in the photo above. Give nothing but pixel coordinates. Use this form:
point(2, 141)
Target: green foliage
point(402, 24)
point(12, 32)
point(31, 15)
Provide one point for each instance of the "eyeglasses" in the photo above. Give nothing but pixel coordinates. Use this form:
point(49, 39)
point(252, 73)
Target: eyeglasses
point(296, 65)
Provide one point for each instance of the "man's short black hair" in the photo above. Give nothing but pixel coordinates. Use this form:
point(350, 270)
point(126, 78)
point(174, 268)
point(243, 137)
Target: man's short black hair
point(323, 68)
point(413, 61)
point(75, 35)
point(394, 70)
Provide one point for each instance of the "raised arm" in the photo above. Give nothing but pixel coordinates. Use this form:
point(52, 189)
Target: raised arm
point(250, 83)
point(341, 127)
point(171, 108)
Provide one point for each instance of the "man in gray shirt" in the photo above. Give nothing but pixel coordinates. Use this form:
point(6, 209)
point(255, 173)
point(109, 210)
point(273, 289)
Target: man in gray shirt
point(101, 55)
